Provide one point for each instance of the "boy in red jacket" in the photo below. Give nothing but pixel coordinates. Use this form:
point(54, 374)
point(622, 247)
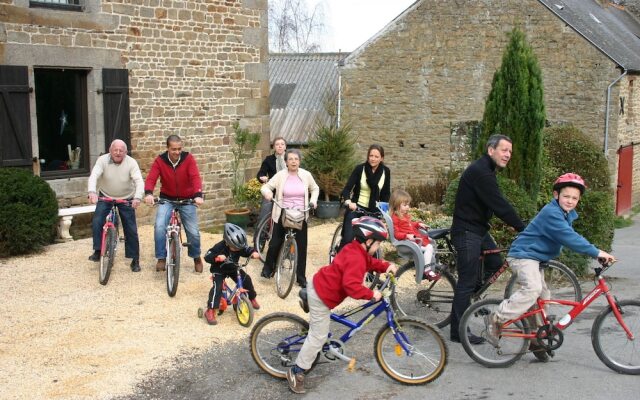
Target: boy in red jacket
point(335, 282)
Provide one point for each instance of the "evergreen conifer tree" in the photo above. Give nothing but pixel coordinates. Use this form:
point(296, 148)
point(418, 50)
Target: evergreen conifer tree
point(515, 107)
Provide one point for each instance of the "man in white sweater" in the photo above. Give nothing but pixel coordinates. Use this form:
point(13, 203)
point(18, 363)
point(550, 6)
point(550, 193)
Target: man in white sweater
point(117, 175)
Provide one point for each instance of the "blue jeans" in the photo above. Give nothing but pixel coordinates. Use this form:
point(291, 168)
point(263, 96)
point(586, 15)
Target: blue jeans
point(189, 218)
point(129, 226)
point(469, 247)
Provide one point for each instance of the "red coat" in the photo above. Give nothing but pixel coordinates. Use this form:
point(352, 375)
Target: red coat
point(403, 226)
point(345, 275)
point(179, 183)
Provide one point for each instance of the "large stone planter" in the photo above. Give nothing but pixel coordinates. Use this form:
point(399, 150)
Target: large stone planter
point(328, 209)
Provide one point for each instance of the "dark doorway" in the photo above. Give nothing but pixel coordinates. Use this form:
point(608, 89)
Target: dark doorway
point(61, 109)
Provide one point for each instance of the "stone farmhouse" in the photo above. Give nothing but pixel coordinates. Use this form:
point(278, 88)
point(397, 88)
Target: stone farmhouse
point(419, 85)
point(75, 74)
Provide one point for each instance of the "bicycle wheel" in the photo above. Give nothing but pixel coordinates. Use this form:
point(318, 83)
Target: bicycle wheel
point(244, 310)
point(561, 282)
point(286, 267)
point(610, 341)
point(262, 237)
point(173, 264)
point(275, 342)
point(430, 301)
point(335, 243)
point(109, 254)
point(425, 356)
point(510, 348)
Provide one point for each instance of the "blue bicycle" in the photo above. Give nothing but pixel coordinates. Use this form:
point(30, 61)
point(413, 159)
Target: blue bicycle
point(407, 349)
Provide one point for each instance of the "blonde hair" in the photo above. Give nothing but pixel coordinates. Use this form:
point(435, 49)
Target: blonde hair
point(398, 198)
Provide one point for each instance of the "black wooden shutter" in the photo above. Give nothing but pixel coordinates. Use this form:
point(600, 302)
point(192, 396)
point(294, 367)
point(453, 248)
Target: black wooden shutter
point(115, 89)
point(15, 124)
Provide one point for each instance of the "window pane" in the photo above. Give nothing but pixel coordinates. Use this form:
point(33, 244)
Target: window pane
point(60, 109)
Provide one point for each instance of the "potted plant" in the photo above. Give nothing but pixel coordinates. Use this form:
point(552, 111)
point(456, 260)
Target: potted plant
point(245, 144)
point(330, 157)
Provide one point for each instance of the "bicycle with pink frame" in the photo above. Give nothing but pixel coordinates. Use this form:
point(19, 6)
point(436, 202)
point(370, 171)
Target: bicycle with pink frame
point(110, 238)
point(614, 334)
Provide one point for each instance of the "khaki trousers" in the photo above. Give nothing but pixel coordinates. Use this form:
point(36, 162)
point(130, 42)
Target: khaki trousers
point(319, 322)
point(532, 286)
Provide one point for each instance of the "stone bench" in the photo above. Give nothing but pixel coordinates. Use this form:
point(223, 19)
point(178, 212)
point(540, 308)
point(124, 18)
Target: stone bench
point(66, 217)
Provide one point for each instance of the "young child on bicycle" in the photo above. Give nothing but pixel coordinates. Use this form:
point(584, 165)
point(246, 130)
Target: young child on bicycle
point(335, 282)
point(541, 241)
point(233, 246)
point(406, 229)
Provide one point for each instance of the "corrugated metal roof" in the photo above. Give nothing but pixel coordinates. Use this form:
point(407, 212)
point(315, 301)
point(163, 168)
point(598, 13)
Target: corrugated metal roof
point(610, 29)
point(299, 86)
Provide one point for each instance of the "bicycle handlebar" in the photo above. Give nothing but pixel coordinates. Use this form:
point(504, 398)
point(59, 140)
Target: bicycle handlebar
point(229, 261)
point(159, 200)
point(274, 201)
point(114, 201)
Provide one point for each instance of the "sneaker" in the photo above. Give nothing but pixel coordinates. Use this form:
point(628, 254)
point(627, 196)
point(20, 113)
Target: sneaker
point(95, 257)
point(210, 315)
point(255, 304)
point(538, 351)
point(161, 265)
point(493, 329)
point(430, 275)
point(135, 265)
point(223, 305)
point(197, 264)
point(296, 381)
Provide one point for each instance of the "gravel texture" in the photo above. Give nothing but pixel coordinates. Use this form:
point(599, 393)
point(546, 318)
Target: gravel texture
point(65, 336)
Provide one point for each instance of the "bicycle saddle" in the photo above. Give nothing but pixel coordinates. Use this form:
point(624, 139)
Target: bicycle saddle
point(304, 303)
point(438, 233)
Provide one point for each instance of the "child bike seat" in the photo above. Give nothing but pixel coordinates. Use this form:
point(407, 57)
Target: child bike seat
point(406, 248)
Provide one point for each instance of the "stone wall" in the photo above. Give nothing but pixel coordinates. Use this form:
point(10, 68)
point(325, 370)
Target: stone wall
point(195, 67)
point(432, 69)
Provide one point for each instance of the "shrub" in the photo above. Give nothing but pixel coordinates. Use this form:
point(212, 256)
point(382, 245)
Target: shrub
point(28, 212)
point(517, 196)
point(432, 192)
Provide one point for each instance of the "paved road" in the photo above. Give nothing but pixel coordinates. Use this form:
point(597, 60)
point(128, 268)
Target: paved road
point(574, 373)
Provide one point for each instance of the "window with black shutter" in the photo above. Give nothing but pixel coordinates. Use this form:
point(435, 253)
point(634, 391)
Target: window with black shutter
point(15, 130)
point(115, 90)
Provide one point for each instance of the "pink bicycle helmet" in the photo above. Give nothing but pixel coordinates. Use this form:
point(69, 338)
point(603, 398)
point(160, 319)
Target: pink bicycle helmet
point(569, 179)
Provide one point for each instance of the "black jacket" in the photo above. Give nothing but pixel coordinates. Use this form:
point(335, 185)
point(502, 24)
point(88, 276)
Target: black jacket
point(268, 167)
point(351, 190)
point(479, 198)
point(221, 248)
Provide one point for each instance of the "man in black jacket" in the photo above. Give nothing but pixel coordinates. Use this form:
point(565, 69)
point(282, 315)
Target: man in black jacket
point(477, 200)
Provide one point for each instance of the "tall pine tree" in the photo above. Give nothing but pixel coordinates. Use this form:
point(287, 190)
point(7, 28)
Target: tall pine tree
point(515, 107)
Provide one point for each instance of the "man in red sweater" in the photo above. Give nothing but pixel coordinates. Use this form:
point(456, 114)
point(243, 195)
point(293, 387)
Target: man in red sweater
point(335, 282)
point(179, 180)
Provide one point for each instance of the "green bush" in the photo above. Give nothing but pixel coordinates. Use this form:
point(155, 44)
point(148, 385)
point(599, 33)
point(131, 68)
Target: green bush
point(596, 207)
point(28, 212)
point(517, 196)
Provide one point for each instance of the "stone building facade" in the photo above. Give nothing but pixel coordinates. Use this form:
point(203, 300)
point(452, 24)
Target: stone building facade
point(428, 73)
point(186, 67)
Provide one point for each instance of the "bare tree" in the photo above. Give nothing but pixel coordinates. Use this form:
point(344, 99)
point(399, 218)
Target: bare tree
point(293, 28)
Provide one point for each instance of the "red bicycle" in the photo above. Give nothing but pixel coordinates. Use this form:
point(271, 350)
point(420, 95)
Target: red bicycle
point(613, 334)
point(110, 238)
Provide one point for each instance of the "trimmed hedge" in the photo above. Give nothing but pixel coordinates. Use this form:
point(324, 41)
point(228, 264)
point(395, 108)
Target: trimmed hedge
point(518, 197)
point(28, 212)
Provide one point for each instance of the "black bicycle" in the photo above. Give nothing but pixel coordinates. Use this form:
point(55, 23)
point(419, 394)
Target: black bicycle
point(431, 299)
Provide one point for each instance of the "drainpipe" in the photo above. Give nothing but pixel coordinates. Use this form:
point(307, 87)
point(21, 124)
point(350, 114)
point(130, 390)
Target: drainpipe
point(339, 96)
point(606, 118)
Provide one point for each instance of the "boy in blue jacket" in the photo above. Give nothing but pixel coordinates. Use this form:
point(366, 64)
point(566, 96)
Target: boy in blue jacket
point(541, 241)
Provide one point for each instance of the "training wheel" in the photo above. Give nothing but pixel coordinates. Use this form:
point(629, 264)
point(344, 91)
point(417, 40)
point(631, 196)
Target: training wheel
point(200, 312)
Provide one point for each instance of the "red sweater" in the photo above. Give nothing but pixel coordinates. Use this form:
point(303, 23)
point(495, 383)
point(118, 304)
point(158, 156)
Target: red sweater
point(345, 275)
point(179, 183)
point(403, 226)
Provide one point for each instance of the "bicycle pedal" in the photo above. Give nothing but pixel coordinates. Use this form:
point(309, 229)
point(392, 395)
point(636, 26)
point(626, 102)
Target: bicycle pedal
point(352, 365)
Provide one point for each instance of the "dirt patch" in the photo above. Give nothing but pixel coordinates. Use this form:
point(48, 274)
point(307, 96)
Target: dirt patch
point(63, 335)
